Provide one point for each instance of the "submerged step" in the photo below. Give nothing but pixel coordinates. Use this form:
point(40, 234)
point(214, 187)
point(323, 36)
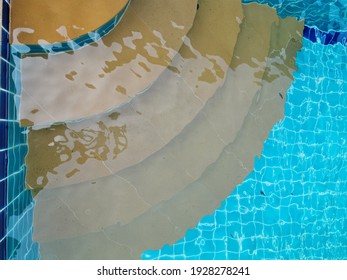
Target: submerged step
point(191, 174)
point(108, 73)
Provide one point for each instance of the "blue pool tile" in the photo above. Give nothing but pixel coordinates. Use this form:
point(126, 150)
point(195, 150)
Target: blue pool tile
point(326, 15)
point(293, 205)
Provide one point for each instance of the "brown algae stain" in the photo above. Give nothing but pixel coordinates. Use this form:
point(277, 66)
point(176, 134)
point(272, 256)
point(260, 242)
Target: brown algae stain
point(51, 147)
point(218, 69)
point(121, 90)
point(72, 172)
point(159, 56)
point(174, 69)
point(144, 66)
point(91, 86)
point(186, 52)
point(208, 77)
point(58, 21)
point(34, 111)
point(136, 74)
point(114, 116)
point(71, 75)
point(26, 122)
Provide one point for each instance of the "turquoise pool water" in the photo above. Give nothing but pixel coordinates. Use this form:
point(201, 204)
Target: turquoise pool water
point(293, 205)
point(20, 203)
point(16, 204)
point(324, 14)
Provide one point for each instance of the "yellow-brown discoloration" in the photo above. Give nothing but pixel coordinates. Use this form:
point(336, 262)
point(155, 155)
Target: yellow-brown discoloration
point(34, 21)
point(53, 146)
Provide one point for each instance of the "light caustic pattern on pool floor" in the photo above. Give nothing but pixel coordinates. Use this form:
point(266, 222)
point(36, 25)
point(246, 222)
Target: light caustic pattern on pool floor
point(293, 205)
point(239, 92)
point(325, 14)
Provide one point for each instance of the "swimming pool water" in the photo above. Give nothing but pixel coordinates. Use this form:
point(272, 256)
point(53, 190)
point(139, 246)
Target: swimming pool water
point(326, 38)
point(293, 205)
point(3, 137)
point(324, 14)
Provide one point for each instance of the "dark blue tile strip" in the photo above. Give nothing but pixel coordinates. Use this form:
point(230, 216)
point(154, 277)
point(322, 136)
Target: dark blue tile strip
point(326, 38)
point(324, 14)
point(3, 127)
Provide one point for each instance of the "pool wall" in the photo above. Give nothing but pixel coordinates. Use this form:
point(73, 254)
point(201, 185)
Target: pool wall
point(16, 203)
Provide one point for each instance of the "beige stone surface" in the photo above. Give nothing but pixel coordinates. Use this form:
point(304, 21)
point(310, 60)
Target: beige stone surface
point(170, 205)
point(37, 21)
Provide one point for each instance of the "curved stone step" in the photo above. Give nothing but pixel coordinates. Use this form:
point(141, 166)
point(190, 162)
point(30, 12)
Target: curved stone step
point(158, 193)
point(108, 73)
point(146, 123)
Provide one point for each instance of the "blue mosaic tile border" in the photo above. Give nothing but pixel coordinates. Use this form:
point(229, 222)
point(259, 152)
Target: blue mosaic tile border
point(16, 203)
point(326, 38)
point(3, 127)
point(20, 204)
point(325, 14)
point(77, 43)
